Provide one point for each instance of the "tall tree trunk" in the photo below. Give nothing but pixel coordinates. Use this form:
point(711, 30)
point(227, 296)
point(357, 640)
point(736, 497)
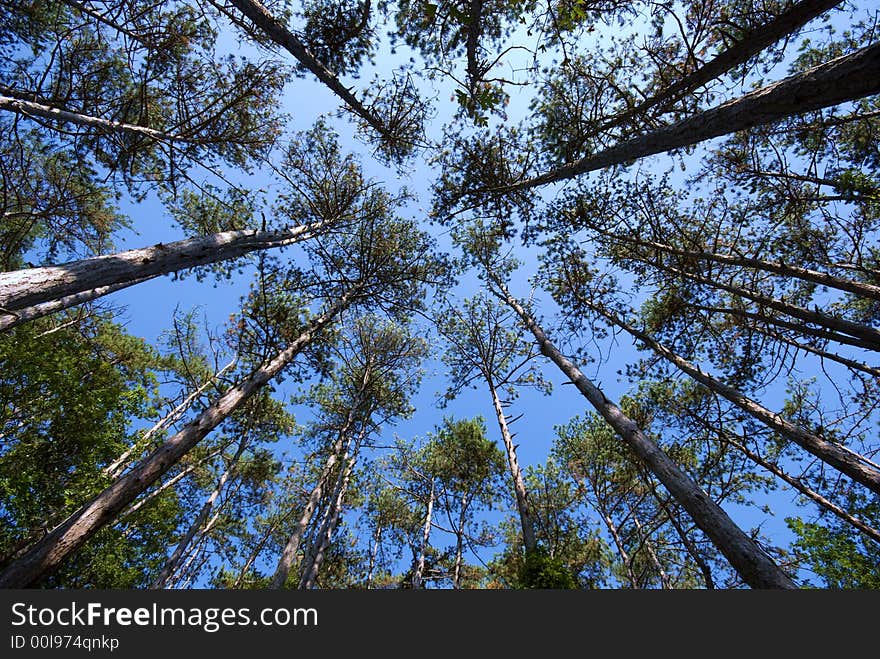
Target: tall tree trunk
point(22, 291)
point(278, 32)
point(527, 521)
point(423, 546)
point(824, 334)
point(846, 78)
point(10, 318)
point(374, 554)
point(689, 545)
point(199, 522)
point(329, 524)
point(459, 543)
point(288, 555)
point(655, 560)
point(796, 483)
point(49, 553)
point(750, 44)
point(828, 452)
point(115, 468)
point(755, 567)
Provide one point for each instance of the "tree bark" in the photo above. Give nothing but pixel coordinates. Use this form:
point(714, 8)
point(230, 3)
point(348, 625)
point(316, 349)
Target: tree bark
point(867, 335)
point(846, 78)
point(49, 553)
point(199, 522)
point(278, 33)
point(755, 567)
point(423, 547)
point(527, 522)
point(824, 279)
point(751, 43)
point(31, 287)
point(328, 526)
point(828, 452)
point(288, 555)
point(33, 109)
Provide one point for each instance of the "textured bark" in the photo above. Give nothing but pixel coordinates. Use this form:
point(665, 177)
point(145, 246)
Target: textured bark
point(423, 547)
point(843, 79)
point(828, 452)
point(33, 109)
point(649, 547)
point(282, 36)
point(32, 287)
point(527, 521)
point(198, 524)
point(755, 567)
point(49, 553)
point(115, 468)
point(751, 43)
point(9, 319)
point(459, 543)
point(824, 334)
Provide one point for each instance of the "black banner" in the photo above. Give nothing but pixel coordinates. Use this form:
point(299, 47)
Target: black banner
point(163, 624)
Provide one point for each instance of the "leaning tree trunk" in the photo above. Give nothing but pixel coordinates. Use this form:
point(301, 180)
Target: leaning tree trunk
point(828, 452)
point(846, 78)
point(751, 562)
point(34, 292)
point(527, 521)
point(174, 560)
point(50, 552)
point(13, 102)
point(747, 46)
point(281, 35)
point(776, 267)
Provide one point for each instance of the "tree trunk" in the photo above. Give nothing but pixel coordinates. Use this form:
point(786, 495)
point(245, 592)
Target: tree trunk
point(374, 554)
point(824, 279)
point(328, 526)
point(664, 578)
point(459, 543)
point(755, 567)
point(846, 78)
point(826, 335)
point(24, 290)
point(868, 336)
point(527, 522)
point(288, 555)
point(278, 32)
point(749, 45)
point(423, 547)
point(174, 560)
point(115, 468)
point(48, 554)
point(828, 452)
point(12, 103)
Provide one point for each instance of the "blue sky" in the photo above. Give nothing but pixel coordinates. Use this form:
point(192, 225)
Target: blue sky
point(150, 306)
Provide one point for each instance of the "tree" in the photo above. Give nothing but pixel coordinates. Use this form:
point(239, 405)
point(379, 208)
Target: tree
point(482, 347)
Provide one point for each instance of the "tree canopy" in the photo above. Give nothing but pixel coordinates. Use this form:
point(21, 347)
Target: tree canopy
point(439, 294)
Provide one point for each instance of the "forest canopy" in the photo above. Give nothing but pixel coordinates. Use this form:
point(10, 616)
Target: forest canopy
point(559, 294)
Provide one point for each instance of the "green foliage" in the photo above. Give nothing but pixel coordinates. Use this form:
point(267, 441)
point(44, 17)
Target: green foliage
point(540, 570)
